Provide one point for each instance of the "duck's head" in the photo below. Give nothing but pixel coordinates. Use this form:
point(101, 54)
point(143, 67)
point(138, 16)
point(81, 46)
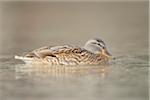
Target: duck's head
point(97, 46)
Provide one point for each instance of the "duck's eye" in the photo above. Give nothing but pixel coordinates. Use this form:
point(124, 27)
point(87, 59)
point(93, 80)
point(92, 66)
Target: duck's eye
point(100, 45)
point(103, 47)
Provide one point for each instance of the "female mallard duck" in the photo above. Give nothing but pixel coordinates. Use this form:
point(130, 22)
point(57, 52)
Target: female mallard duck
point(93, 53)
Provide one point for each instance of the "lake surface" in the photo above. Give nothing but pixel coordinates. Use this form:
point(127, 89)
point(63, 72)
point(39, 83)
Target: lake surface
point(123, 26)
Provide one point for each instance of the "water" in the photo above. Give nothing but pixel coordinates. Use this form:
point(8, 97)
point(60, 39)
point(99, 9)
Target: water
point(28, 25)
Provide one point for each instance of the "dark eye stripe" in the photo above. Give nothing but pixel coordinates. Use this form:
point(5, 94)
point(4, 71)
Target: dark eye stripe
point(98, 44)
point(101, 45)
point(100, 41)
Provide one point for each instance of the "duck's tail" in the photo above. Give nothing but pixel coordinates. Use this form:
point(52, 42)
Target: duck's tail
point(24, 59)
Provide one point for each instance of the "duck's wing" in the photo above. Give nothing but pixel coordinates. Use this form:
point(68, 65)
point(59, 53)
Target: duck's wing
point(47, 51)
point(40, 53)
point(61, 52)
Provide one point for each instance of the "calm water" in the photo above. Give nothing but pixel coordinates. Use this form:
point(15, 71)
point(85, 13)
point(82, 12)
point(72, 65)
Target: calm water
point(25, 26)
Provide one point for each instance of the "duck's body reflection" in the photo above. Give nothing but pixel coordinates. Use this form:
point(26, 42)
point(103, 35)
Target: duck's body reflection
point(60, 71)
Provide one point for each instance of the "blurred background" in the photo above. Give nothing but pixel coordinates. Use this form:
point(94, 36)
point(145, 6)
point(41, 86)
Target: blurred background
point(24, 26)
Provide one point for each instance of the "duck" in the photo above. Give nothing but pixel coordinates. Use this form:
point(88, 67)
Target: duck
point(94, 52)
